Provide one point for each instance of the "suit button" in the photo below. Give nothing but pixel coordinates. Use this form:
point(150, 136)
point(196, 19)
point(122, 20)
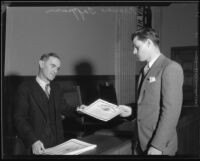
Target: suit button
point(138, 120)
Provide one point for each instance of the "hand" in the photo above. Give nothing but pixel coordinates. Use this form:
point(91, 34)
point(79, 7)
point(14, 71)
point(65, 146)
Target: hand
point(38, 147)
point(81, 108)
point(154, 151)
point(125, 110)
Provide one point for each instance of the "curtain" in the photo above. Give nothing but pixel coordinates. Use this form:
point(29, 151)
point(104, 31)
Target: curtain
point(125, 63)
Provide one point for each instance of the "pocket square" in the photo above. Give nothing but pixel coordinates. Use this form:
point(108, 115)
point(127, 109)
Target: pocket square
point(151, 79)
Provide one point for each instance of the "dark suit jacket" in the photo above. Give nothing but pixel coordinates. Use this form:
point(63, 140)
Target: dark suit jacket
point(159, 106)
point(31, 117)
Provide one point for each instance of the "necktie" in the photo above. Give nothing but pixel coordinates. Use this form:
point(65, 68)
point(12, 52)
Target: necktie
point(146, 69)
point(47, 90)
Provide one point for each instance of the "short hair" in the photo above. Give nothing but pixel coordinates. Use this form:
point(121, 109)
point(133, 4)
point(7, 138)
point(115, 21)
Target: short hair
point(146, 33)
point(45, 57)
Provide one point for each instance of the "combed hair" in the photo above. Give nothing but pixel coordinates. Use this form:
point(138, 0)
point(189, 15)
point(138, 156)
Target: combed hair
point(46, 56)
point(146, 33)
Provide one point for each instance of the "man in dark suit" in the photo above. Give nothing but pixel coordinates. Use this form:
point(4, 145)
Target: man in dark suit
point(39, 103)
point(159, 96)
point(39, 106)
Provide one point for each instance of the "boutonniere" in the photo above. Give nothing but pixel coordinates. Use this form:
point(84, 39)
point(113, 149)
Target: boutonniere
point(151, 79)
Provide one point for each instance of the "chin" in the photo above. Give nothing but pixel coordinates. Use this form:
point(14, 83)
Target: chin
point(50, 79)
point(140, 59)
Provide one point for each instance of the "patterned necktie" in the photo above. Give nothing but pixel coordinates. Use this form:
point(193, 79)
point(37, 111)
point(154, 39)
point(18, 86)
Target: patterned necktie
point(47, 90)
point(146, 69)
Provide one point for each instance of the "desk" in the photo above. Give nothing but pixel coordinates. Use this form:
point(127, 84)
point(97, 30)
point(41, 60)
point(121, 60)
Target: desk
point(108, 145)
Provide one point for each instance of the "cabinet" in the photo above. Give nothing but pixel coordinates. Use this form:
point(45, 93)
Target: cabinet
point(188, 57)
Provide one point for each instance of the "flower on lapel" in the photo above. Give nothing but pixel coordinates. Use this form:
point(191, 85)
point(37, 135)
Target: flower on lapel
point(151, 79)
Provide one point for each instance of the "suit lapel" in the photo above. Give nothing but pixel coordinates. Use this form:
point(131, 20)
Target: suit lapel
point(139, 80)
point(153, 71)
point(39, 97)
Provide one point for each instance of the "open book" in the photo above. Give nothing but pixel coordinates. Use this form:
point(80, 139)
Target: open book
point(70, 147)
point(102, 110)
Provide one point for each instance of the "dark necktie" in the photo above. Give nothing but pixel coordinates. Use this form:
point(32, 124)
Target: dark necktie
point(145, 71)
point(47, 90)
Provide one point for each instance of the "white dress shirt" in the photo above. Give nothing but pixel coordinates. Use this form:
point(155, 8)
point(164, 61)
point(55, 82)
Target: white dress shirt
point(152, 61)
point(42, 83)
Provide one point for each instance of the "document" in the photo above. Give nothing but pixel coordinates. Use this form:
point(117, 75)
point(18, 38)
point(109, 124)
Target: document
point(70, 147)
point(102, 110)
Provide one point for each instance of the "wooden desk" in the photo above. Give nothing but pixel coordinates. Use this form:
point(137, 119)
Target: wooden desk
point(108, 145)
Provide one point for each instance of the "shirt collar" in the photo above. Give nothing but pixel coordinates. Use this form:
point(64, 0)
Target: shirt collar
point(153, 60)
point(41, 82)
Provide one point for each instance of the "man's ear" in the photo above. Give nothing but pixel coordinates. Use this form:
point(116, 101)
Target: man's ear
point(41, 63)
point(149, 42)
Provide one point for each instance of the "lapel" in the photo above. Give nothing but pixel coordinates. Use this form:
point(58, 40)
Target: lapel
point(139, 83)
point(39, 96)
point(156, 67)
point(139, 80)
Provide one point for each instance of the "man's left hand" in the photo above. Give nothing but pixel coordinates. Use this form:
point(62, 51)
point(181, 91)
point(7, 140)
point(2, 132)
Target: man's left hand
point(154, 151)
point(80, 108)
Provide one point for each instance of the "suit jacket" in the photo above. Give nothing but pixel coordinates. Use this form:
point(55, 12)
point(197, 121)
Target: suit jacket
point(31, 117)
point(159, 106)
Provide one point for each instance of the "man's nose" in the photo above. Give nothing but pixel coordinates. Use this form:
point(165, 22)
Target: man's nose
point(55, 71)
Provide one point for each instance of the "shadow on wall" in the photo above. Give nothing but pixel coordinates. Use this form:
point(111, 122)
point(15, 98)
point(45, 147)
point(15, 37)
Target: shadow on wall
point(83, 68)
point(87, 82)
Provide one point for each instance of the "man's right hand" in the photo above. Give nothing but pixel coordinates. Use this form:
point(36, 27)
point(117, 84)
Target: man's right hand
point(38, 147)
point(125, 110)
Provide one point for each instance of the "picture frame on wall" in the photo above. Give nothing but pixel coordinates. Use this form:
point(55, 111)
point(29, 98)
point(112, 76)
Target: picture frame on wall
point(188, 58)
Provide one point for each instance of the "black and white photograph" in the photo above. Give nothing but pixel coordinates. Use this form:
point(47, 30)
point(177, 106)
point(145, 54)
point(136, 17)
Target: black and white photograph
point(59, 58)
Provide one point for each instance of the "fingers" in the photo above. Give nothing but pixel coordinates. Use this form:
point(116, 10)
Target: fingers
point(154, 151)
point(38, 148)
point(125, 110)
point(42, 148)
point(81, 108)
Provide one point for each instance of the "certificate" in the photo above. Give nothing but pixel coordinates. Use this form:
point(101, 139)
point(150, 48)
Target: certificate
point(102, 110)
point(70, 147)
